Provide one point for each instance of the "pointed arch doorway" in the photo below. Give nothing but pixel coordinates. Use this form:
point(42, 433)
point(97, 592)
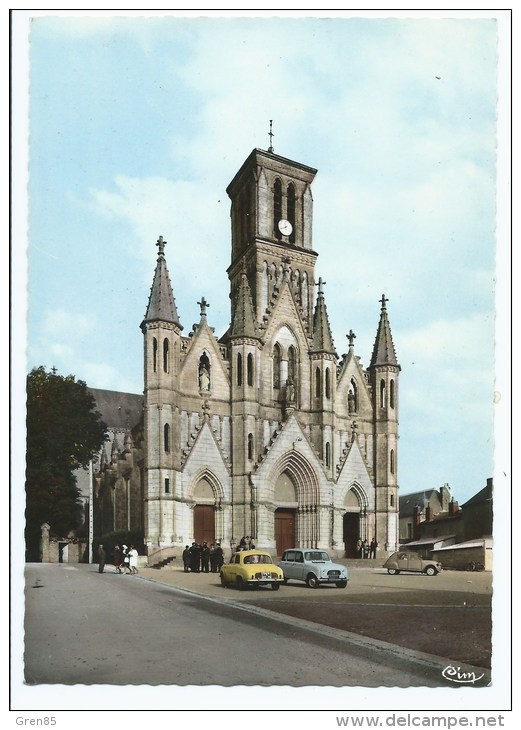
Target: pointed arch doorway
point(285, 513)
point(351, 533)
point(204, 523)
point(355, 504)
point(284, 529)
point(204, 512)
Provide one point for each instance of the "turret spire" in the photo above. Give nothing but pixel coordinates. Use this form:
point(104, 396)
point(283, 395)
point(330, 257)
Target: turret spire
point(161, 303)
point(383, 350)
point(244, 323)
point(322, 338)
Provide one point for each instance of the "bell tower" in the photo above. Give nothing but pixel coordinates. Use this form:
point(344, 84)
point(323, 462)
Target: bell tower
point(271, 227)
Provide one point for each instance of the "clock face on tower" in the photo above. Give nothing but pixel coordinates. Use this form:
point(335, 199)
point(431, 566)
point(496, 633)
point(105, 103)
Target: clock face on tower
point(285, 227)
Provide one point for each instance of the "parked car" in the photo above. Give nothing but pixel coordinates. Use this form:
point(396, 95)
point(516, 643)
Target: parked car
point(252, 568)
point(314, 567)
point(406, 560)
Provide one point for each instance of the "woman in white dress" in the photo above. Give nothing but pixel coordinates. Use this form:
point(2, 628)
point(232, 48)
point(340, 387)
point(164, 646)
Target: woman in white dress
point(132, 554)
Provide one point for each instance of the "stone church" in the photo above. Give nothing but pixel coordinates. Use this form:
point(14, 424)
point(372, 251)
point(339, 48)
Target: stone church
point(263, 431)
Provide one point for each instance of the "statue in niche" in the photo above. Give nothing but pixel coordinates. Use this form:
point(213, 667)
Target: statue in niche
point(351, 402)
point(290, 391)
point(204, 373)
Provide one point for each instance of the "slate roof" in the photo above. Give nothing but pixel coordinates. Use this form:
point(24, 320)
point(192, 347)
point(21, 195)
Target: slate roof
point(118, 410)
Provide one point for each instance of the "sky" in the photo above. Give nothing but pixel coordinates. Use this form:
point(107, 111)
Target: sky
point(137, 124)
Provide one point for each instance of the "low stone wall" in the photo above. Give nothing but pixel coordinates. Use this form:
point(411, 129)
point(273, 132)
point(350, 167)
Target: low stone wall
point(460, 558)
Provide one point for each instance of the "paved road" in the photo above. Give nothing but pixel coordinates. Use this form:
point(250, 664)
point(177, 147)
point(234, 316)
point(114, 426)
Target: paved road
point(83, 627)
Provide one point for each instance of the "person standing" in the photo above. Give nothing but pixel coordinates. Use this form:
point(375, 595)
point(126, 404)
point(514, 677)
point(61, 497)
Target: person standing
point(126, 559)
point(132, 554)
point(365, 549)
point(372, 548)
point(195, 558)
point(213, 564)
point(117, 558)
point(101, 559)
point(186, 559)
point(219, 557)
point(205, 558)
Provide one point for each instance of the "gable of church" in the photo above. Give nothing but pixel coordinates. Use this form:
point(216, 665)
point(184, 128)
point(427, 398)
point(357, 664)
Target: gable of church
point(203, 370)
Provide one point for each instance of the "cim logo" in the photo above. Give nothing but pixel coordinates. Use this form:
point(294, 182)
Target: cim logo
point(455, 674)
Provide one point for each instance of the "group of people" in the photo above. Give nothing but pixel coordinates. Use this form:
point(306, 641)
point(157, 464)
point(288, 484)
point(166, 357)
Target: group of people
point(365, 549)
point(203, 558)
point(125, 559)
point(245, 543)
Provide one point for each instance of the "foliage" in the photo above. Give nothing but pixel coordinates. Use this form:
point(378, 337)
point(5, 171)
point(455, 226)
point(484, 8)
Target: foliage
point(64, 431)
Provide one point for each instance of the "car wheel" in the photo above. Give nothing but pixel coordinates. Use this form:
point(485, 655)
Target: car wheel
point(393, 571)
point(431, 570)
point(240, 583)
point(312, 581)
point(275, 586)
point(341, 583)
point(223, 582)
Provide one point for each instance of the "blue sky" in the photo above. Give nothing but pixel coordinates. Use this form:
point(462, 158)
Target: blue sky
point(138, 124)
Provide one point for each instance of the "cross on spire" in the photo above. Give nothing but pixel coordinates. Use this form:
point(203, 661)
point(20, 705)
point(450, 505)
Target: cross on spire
point(271, 135)
point(320, 283)
point(383, 300)
point(161, 245)
point(351, 336)
point(203, 304)
point(53, 370)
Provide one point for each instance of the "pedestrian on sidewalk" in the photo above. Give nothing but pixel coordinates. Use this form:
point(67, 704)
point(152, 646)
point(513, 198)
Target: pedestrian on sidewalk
point(132, 554)
point(117, 558)
point(205, 558)
point(219, 557)
point(101, 559)
point(372, 548)
point(126, 559)
point(186, 559)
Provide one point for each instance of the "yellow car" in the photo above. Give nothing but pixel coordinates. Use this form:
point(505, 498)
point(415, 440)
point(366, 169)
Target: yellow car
point(251, 568)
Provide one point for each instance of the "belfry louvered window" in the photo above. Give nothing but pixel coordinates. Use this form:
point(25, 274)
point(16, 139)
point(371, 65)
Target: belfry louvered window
point(291, 210)
point(249, 369)
point(277, 207)
point(166, 355)
point(239, 369)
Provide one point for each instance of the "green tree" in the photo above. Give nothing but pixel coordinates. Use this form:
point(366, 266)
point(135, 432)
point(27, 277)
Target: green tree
point(64, 431)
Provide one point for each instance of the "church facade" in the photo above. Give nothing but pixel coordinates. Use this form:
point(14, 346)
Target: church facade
point(263, 431)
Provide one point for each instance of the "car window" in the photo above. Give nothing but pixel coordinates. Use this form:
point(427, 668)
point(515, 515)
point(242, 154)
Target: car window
point(289, 556)
point(316, 555)
point(256, 559)
point(299, 558)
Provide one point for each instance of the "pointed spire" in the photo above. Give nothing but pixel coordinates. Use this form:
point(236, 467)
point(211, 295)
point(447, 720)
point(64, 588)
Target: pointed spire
point(161, 303)
point(322, 339)
point(244, 323)
point(114, 452)
point(383, 350)
point(129, 441)
point(104, 459)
